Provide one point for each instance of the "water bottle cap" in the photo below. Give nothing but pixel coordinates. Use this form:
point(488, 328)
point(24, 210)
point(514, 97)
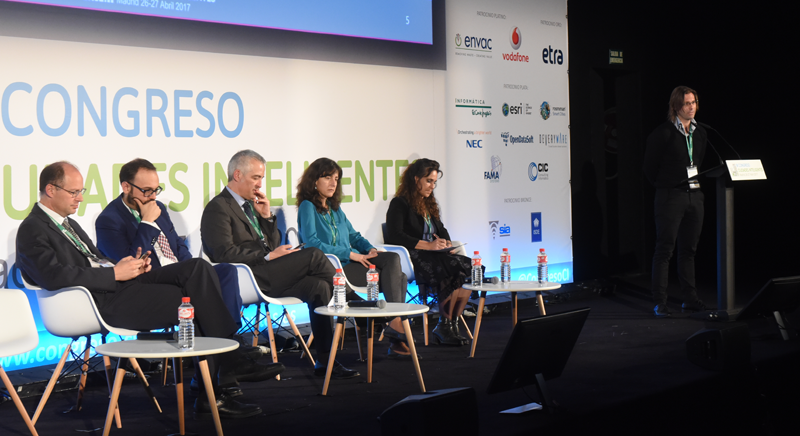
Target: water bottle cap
point(476, 252)
point(541, 250)
point(185, 299)
point(338, 270)
point(505, 249)
point(371, 266)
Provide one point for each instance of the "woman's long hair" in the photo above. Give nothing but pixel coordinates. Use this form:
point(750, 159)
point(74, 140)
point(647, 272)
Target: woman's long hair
point(408, 187)
point(307, 186)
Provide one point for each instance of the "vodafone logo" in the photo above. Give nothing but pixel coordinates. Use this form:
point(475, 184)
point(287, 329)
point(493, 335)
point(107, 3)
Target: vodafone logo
point(516, 38)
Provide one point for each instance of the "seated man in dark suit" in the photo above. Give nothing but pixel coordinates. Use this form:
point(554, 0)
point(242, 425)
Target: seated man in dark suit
point(54, 252)
point(238, 227)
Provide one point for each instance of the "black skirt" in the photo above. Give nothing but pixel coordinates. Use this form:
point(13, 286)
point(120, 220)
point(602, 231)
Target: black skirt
point(444, 271)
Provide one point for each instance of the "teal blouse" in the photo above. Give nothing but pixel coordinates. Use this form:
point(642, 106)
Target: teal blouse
point(316, 230)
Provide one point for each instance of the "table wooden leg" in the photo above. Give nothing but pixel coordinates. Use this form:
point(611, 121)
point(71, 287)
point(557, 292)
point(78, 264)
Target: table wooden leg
point(425, 327)
point(540, 300)
point(107, 364)
point(370, 329)
point(271, 333)
point(297, 334)
point(17, 402)
point(477, 328)
point(146, 385)
point(410, 340)
point(177, 371)
point(212, 401)
point(112, 403)
point(332, 359)
point(513, 309)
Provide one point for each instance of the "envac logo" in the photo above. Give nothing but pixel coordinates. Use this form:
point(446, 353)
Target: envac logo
point(473, 43)
point(497, 170)
point(474, 143)
point(550, 56)
point(538, 171)
point(515, 38)
point(544, 110)
point(516, 41)
point(513, 110)
point(536, 227)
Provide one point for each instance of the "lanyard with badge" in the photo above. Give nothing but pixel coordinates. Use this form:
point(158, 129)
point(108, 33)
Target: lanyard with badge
point(331, 225)
point(77, 243)
point(691, 170)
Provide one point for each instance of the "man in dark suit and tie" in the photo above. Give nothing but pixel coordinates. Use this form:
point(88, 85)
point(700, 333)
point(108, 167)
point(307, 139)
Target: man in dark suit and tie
point(238, 227)
point(136, 219)
point(54, 252)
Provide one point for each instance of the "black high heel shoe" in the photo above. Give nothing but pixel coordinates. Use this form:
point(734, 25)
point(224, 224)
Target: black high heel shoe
point(443, 333)
point(454, 324)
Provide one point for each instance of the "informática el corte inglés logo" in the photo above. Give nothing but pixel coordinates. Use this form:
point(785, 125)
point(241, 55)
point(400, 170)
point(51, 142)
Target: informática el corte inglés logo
point(477, 106)
point(494, 174)
point(544, 110)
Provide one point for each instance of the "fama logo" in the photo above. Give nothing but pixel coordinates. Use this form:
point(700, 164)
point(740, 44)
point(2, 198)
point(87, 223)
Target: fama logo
point(473, 43)
point(550, 56)
point(515, 38)
point(496, 171)
point(544, 111)
point(513, 110)
point(538, 171)
point(474, 143)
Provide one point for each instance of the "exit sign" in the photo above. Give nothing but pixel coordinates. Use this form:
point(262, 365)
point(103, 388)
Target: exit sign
point(615, 57)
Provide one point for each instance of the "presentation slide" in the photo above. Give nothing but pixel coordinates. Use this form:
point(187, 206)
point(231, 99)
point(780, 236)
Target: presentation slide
point(399, 20)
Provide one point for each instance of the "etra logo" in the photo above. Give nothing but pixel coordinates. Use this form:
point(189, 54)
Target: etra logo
point(516, 38)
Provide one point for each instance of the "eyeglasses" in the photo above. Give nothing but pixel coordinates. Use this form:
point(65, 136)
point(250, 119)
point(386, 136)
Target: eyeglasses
point(690, 103)
point(148, 192)
point(74, 193)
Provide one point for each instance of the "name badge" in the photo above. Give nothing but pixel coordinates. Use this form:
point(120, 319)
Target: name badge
point(691, 171)
point(105, 264)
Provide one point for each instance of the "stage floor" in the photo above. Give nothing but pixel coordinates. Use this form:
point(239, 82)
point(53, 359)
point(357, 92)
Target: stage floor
point(628, 374)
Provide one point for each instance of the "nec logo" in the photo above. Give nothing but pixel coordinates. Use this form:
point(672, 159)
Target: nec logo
point(474, 143)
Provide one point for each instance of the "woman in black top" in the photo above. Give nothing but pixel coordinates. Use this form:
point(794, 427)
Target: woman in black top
point(413, 221)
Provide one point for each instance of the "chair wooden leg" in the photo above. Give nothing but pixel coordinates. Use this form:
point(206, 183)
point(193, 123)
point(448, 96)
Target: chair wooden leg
point(51, 384)
point(109, 370)
point(84, 374)
point(297, 334)
point(146, 385)
point(258, 321)
point(112, 403)
point(13, 393)
point(425, 327)
point(273, 350)
point(308, 344)
point(466, 327)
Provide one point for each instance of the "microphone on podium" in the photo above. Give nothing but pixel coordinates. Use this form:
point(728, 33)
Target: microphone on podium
point(379, 304)
point(491, 280)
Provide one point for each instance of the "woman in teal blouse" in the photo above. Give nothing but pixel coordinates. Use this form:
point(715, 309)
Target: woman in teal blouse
point(323, 224)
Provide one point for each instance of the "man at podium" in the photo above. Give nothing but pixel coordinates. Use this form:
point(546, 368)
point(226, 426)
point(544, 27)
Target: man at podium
point(674, 152)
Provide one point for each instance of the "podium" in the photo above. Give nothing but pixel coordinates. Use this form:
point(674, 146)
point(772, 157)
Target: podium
point(726, 175)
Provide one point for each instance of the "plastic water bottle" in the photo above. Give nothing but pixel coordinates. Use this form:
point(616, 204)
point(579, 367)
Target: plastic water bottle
point(186, 324)
point(372, 283)
point(541, 262)
point(505, 266)
point(339, 290)
point(477, 271)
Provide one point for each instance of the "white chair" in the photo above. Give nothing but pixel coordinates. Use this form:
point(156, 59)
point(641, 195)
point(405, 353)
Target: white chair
point(17, 336)
point(408, 268)
point(251, 294)
point(72, 313)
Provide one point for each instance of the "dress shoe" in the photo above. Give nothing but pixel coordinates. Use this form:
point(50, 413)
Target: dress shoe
point(661, 310)
point(252, 352)
point(232, 391)
point(394, 355)
point(443, 333)
point(694, 306)
point(228, 408)
point(339, 371)
point(249, 371)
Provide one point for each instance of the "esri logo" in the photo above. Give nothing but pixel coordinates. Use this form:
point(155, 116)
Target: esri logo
point(513, 110)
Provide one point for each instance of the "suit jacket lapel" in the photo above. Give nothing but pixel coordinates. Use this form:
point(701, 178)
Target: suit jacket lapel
point(239, 213)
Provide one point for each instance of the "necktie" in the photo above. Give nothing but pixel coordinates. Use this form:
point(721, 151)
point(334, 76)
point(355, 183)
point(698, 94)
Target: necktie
point(165, 248)
point(248, 210)
point(80, 245)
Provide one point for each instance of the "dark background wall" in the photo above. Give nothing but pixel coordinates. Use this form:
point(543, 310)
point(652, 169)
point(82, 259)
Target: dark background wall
point(737, 58)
